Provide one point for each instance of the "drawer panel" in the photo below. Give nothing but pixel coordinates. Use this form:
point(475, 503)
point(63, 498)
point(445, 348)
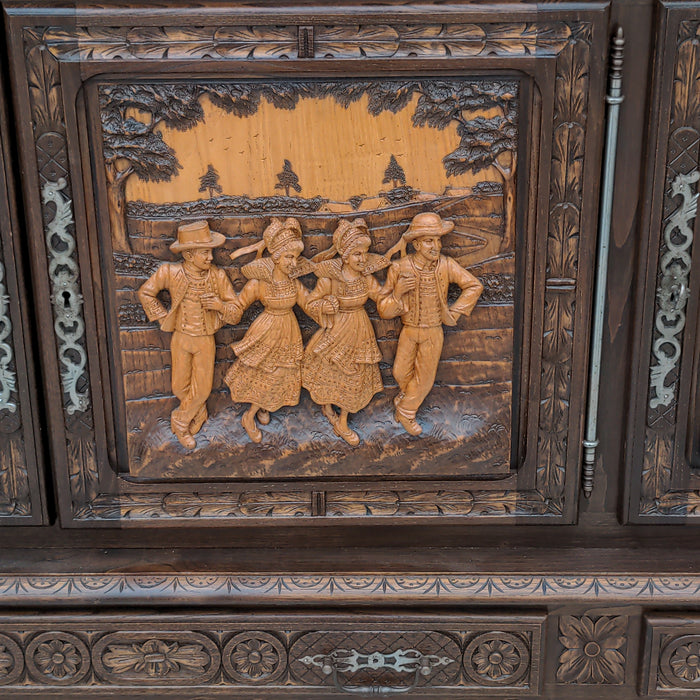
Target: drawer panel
point(321, 655)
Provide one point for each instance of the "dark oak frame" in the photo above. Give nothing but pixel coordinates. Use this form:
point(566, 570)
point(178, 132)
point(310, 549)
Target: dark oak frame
point(54, 53)
point(22, 499)
point(662, 483)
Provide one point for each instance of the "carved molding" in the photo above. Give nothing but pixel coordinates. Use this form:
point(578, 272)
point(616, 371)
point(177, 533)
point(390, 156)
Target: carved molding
point(214, 651)
point(212, 589)
point(569, 43)
point(262, 42)
point(594, 650)
point(675, 255)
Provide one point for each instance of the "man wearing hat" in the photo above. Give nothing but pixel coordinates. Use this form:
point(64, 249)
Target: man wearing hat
point(419, 282)
point(202, 300)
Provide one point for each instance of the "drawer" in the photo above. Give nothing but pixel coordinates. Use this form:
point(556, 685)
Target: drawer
point(317, 654)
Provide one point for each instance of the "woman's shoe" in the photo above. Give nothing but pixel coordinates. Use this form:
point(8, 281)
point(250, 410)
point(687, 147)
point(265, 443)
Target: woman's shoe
point(248, 422)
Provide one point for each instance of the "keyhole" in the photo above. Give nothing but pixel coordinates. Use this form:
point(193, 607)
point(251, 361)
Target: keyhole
point(66, 299)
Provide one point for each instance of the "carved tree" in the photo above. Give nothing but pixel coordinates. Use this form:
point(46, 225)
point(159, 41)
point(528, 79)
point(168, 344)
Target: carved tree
point(394, 173)
point(210, 181)
point(484, 141)
point(287, 178)
point(133, 145)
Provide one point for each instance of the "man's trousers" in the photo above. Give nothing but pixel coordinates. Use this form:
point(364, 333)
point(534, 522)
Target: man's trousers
point(192, 375)
point(415, 365)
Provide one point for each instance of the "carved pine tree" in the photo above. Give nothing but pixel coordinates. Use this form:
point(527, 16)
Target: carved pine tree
point(394, 173)
point(210, 181)
point(287, 179)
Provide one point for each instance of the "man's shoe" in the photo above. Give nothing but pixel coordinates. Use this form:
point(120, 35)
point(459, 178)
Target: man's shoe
point(409, 424)
point(185, 438)
point(199, 420)
point(263, 416)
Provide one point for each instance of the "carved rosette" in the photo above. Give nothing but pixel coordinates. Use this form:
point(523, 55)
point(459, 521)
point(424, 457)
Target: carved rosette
point(57, 658)
point(593, 650)
point(568, 43)
point(254, 658)
point(497, 659)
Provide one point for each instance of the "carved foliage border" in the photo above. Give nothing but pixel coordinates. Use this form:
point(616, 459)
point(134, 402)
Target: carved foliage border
point(571, 43)
point(218, 652)
point(683, 160)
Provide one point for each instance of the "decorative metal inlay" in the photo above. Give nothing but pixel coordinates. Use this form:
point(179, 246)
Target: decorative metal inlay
point(672, 294)
point(66, 297)
point(7, 375)
point(399, 661)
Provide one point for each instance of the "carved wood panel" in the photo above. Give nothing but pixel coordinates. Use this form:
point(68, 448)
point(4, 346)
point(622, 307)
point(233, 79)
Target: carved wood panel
point(664, 479)
point(22, 501)
point(671, 656)
point(51, 58)
point(460, 655)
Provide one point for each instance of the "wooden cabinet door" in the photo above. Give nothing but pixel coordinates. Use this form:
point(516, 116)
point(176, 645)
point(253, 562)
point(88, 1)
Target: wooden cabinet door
point(22, 498)
point(663, 463)
point(326, 132)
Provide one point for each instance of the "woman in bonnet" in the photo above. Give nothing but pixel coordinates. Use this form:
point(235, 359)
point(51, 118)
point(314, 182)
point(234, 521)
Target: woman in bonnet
point(267, 373)
point(341, 361)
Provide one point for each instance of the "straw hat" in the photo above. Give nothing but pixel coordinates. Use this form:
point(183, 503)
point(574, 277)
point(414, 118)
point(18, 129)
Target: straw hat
point(196, 235)
point(427, 224)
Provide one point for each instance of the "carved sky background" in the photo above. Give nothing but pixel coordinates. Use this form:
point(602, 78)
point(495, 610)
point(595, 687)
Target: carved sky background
point(337, 152)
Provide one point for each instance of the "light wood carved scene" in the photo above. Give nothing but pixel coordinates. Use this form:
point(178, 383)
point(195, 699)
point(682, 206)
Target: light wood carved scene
point(313, 279)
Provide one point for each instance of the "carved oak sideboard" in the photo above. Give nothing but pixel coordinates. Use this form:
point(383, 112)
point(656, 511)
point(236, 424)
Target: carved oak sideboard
point(302, 341)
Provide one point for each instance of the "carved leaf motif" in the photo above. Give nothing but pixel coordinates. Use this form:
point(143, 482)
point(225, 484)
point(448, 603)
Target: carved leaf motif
point(155, 658)
point(274, 504)
point(658, 458)
point(14, 479)
point(562, 243)
point(567, 163)
point(675, 503)
point(450, 40)
point(256, 42)
point(186, 505)
point(340, 503)
point(495, 502)
point(511, 39)
point(356, 41)
point(173, 42)
point(436, 503)
point(83, 471)
point(44, 90)
point(572, 72)
point(95, 43)
point(686, 92)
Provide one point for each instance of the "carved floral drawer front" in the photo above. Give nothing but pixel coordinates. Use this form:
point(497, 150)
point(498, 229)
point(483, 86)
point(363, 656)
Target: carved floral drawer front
point(671, 656)
point(464, 655)
point(312, 269)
